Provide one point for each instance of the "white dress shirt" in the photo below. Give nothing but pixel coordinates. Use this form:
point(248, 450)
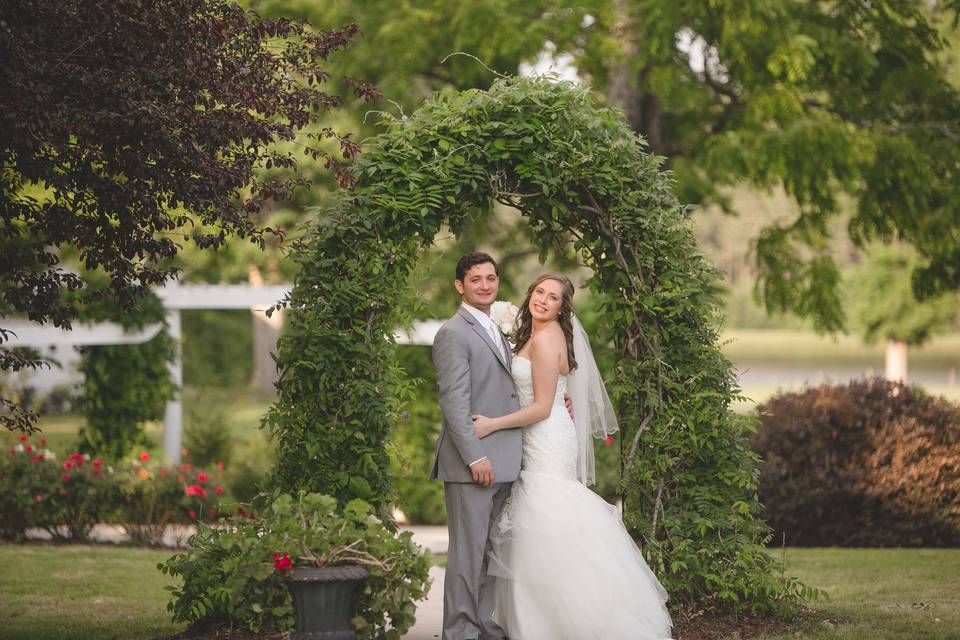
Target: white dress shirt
point(487, 323)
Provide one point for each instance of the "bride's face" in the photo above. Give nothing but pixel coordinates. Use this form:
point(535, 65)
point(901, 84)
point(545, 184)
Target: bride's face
point(546, 300)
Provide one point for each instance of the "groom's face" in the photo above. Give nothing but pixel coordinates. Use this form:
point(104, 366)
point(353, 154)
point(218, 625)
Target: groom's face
point(479, 286)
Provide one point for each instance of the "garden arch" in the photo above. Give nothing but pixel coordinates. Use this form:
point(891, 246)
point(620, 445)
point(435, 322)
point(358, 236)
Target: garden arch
point(576, 171)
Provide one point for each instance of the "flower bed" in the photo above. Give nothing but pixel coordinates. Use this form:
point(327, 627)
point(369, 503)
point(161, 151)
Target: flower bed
point(66, 498)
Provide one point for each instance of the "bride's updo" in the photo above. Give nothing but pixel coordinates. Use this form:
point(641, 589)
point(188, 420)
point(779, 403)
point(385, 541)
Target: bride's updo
point(525, 320)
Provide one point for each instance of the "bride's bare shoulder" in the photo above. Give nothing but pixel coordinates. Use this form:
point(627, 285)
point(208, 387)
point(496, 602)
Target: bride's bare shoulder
point(550, 338)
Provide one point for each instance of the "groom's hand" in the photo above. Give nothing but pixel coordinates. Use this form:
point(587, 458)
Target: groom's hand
point(483, 472)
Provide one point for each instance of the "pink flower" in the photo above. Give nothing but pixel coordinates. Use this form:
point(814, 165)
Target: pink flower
point(38, 497)
point(36, 458)
point(202, 477)
point(29, 448)
point(144, 456)
point(65, 477)
point(219, 490)
point(43, 442)
point(282, 563)
point(220, 464)
point(196, 490)
point(608, 440)
point(97, 463)
point(68, 465)
point(193, 514)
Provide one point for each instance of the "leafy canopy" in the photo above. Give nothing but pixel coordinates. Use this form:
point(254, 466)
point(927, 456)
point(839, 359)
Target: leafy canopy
point(126, 127)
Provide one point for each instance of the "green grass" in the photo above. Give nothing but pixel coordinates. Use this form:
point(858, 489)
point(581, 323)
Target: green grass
point(882, 594)
point(105, 593)
point(82, 593)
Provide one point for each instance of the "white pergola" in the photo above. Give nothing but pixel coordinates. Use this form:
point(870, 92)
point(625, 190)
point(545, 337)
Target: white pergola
point(175, 298)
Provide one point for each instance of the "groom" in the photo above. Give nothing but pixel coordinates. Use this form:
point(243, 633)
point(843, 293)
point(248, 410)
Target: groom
point(473, 372)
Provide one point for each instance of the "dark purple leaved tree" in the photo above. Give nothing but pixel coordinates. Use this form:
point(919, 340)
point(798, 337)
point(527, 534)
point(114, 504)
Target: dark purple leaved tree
point(122, 123)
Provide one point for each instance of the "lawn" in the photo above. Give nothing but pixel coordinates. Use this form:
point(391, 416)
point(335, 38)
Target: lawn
point(82, 593)
point(104, 592)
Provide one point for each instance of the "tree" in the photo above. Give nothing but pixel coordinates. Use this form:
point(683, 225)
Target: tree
point(886, 309)
point(819, 99)
point(128, 127)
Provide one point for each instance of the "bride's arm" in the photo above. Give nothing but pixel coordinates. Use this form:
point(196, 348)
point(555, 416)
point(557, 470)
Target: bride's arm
point(545, 364)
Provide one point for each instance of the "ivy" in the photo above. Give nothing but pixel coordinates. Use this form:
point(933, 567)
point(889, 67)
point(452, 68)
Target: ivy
point(578, 174)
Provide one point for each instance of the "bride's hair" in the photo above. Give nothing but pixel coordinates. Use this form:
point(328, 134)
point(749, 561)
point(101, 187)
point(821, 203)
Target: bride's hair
point(525, 320)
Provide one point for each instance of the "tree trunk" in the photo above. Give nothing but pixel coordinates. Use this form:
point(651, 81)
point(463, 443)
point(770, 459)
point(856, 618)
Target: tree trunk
point(896, 363)
point(626, 86)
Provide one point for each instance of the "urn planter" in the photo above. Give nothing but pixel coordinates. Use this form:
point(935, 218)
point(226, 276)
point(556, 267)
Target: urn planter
point(323, 601)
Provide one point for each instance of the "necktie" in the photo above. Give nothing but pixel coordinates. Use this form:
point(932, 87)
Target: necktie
point(497, 340)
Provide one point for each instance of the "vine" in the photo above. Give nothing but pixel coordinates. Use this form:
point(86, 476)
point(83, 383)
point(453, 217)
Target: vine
point(578, 174)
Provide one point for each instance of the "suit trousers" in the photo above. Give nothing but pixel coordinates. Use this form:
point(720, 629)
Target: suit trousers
point(472, 513)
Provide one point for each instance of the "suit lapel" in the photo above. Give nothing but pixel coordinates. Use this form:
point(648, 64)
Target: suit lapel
point(480, 331)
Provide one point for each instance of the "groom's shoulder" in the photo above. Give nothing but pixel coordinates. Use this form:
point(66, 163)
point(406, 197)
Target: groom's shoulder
point(454, 323)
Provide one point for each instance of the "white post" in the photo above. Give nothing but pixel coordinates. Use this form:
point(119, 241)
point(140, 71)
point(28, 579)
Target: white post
point(896, 361)
point(173, 415)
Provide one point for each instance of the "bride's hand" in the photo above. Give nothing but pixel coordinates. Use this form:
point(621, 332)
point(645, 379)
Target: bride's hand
point(482, 425)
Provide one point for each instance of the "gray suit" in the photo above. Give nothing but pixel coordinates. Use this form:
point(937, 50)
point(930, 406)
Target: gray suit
point(474, 379)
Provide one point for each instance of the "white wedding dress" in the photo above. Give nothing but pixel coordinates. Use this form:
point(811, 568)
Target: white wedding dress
point(566, 566)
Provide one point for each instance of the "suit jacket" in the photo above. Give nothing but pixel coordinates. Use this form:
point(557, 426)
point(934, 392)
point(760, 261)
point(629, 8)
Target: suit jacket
point(474, 379)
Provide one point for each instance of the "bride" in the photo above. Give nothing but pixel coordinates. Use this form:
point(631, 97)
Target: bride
point(567, 567)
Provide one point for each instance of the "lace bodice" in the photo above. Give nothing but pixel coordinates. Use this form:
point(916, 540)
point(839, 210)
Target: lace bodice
point(549, 446)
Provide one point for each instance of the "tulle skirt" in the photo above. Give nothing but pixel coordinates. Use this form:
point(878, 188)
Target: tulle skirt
point(568, 570)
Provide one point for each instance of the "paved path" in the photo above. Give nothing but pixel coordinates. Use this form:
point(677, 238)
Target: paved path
point(429, 612)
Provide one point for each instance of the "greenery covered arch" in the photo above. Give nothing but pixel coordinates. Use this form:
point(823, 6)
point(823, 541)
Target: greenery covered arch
point(576, 171)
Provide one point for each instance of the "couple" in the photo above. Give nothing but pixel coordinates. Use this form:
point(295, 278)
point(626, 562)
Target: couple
point(534, 554)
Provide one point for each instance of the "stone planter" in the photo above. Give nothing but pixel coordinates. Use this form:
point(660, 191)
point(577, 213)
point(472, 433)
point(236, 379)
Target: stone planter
point(323, 601)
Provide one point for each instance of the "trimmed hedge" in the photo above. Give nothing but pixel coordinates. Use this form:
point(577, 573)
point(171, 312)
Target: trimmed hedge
point(868, 464)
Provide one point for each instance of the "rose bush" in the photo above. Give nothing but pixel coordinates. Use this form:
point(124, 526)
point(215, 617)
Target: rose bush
point(66, 498)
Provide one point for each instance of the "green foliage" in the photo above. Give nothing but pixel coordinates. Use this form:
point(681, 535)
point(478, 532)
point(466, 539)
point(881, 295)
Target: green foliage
point(229, 573)
point(822, 100)
point(124, 385)
point(578, 173)
point(216, 347)
point(885, 306)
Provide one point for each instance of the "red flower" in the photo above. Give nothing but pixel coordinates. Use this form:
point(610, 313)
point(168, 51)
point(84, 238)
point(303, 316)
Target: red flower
point(282, 563)
point(13, 449)
point(164, 472)
point(193, 514)
point(196, 490)
point(68, 465)
point(608, 440)
point(24, 438)
point(36, 458)
point(43, 442)
point(38, 497)
point(220, 464)
point(219, 490)
point(181, 477)
point(241, 511)
point(202, 477)
point(144, 456)
point(213, 513)
point(97, 463)
point(76, 458)
point(29, 448)
point(65, 477)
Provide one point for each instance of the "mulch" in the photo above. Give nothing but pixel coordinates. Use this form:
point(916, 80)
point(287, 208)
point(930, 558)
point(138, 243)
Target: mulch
point(688, 625)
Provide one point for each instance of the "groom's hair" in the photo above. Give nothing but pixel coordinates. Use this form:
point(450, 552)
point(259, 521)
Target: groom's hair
point(472, 259)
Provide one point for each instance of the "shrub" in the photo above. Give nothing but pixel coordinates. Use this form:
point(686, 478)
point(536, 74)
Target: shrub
point(231, 574)
point(871, 463)
point(66, 499)
point(152, 496)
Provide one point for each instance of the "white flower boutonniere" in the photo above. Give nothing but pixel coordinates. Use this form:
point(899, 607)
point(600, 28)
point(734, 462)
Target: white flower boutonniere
point(504, 315)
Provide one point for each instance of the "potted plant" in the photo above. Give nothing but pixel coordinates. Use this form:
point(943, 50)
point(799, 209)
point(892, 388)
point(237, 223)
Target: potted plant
point(330, 572)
